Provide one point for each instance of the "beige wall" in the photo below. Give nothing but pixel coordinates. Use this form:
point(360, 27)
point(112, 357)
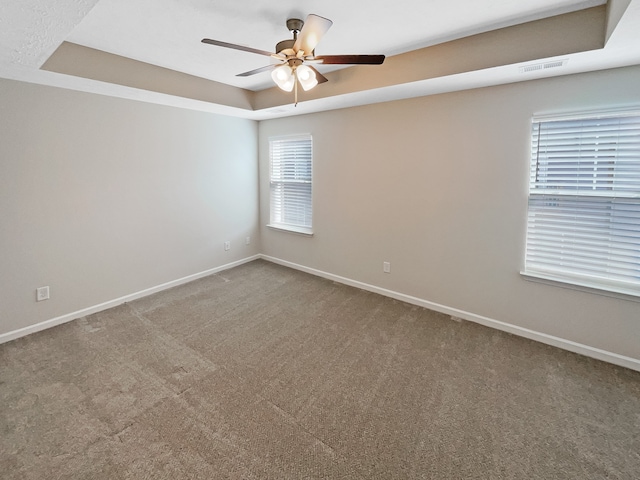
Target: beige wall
point(438, 187)
point(102, 197)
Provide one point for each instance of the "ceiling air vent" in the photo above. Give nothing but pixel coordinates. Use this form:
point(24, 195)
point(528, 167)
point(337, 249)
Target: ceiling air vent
point(543, 66)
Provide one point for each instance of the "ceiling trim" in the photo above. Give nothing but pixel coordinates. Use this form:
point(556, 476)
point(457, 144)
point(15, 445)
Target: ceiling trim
point(85, 62)
point(569, 33)
point(575, 41)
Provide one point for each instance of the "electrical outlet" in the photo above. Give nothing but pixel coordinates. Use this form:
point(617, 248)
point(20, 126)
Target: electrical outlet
point(227, 245)
point(247, 241)
point(386, 267)
point(42, 293)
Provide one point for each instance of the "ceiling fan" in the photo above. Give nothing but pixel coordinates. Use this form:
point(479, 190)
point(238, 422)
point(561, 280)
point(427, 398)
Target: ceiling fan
point(296, 56)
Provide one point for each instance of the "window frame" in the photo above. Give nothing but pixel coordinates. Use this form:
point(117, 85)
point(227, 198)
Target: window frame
point(576, 198)
point(298, 203)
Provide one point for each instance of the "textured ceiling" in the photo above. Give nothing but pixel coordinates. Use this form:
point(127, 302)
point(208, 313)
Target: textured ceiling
point(31, 30)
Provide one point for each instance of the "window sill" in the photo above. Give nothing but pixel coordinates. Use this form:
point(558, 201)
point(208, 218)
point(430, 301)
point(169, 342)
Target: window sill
point(612, 291)
point(306, 232)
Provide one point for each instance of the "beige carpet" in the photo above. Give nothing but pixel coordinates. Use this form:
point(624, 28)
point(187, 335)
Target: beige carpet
point(265, 372)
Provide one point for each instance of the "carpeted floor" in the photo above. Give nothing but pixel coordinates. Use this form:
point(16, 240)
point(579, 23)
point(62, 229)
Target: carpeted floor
point(264, 372)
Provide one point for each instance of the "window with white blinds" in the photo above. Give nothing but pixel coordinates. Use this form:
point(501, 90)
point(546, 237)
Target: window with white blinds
point(291, 182)
point(584, 202)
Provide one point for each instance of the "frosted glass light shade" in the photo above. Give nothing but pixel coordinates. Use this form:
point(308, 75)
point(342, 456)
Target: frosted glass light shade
point(306, 77)
point(283, 76)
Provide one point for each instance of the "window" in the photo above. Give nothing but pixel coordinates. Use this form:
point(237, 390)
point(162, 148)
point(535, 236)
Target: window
point(290, 183)
point(584, 202)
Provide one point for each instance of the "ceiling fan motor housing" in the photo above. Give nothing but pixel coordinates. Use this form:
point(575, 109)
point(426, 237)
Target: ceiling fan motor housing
point(294, 25)
point(284, 44)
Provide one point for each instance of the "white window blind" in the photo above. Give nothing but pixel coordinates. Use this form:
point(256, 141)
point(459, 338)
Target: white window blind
point(584, 202)
point(291, 182)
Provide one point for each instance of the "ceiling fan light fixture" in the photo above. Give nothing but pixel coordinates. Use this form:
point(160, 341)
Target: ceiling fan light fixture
point(306, 77)
point(294, 52)
point(284, 78)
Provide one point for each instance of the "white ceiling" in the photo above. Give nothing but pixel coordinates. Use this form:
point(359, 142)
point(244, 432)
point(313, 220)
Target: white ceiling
point(167, 33)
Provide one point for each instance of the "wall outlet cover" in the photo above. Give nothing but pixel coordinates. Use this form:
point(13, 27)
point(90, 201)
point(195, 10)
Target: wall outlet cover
point(42, 293)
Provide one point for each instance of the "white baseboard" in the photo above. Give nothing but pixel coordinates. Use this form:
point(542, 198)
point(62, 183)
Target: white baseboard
point(562, 343)
point(6, 337)
point(569, 345)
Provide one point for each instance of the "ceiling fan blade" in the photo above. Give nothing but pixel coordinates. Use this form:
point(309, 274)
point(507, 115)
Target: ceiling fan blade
point(312, 31)
point(266, 68)
point(321, 78)
point(236, 47)
point(351, 59)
